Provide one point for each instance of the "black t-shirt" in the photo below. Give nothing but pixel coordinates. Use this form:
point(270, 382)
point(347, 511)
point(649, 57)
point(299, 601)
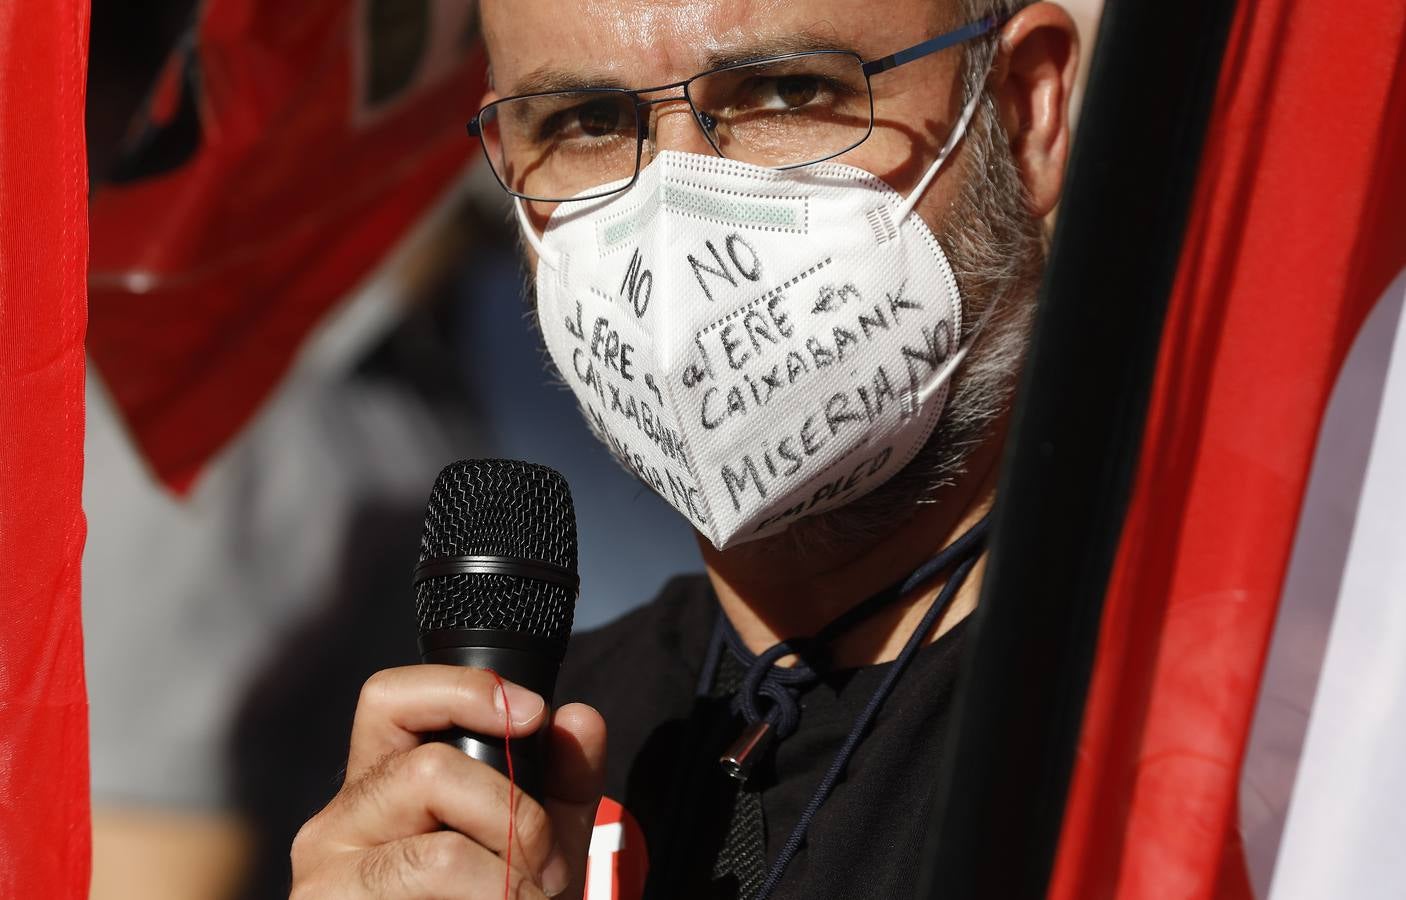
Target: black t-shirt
point(643, 672)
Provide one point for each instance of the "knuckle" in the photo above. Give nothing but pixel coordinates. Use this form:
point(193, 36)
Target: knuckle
point(436, 864)
point(377, 870)
point(429, 764)
point(502, 795)
point(305, 842)
point(474, 686)
point(375, 690)
point(440, 853)
point(534, 827)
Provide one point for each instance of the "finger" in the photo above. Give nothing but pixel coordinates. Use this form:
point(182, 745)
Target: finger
point(418, 791)
point(437, 865)
point(575, 780)
point(397, 706)
point(576, 755)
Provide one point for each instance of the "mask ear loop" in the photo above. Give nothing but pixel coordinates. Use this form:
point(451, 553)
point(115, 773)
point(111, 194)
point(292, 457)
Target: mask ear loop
point(945, 373)
point(530, 233)
point(953, 139)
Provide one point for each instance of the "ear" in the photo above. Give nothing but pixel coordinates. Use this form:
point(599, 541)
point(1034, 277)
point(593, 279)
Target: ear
point(1032, 81)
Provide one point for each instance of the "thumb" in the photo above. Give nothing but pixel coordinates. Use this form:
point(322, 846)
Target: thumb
point(575, 779)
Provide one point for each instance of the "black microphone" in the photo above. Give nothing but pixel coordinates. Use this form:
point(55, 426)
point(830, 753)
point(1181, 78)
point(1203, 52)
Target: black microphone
point(496, 588)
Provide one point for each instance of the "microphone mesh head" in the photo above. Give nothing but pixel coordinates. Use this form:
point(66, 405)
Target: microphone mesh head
point(499, 507)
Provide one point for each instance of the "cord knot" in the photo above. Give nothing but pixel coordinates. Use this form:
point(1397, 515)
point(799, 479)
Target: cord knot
point(766, 681)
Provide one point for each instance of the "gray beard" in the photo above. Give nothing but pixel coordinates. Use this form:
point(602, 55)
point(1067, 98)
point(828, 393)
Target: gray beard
point(996, 248)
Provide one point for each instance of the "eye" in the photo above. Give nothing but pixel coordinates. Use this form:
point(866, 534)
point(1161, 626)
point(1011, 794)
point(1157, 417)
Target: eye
point(599, 118)
point(783, 92)
point(584, 120)
point(797, 90)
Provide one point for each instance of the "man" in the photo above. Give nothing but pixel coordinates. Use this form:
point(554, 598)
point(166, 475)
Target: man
point(818, 504)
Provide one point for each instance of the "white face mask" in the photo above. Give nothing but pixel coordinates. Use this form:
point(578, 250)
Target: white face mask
point(756, 345)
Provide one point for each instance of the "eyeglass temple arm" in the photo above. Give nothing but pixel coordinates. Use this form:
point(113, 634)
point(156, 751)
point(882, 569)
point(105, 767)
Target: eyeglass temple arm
point(932, 45)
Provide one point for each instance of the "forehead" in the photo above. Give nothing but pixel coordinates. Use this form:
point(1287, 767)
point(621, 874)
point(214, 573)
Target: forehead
point(644, 42)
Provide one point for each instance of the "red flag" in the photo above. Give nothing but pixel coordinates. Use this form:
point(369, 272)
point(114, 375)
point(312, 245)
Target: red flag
point(44, 829)
point(286, 150)
point(1298, 227)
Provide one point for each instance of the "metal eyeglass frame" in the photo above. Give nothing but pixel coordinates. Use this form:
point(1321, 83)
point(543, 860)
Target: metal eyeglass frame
point(870, 69)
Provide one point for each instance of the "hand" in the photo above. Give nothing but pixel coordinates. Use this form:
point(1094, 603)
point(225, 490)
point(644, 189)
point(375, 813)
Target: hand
point(382, 835)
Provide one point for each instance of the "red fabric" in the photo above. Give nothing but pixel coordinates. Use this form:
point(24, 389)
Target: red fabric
point(208, 276)
point(1298, 226)
point(618, 864)
point(44, 830)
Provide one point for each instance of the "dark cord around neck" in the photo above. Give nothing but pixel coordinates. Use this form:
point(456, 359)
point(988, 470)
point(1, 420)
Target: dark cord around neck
point(783, 686)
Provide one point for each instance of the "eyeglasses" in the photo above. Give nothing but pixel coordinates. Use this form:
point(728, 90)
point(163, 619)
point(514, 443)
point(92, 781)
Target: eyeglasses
point(781, 112)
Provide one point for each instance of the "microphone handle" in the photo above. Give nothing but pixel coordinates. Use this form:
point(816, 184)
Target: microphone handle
point(535, 671)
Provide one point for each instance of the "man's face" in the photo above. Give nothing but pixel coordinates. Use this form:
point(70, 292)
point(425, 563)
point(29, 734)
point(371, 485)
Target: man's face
point(544, 44)
point(985, 206)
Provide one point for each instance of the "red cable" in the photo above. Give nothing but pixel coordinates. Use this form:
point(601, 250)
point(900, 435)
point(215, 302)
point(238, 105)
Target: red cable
point(512, 784)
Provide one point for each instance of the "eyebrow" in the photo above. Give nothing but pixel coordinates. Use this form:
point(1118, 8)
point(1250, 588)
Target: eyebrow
point(548, 78)
point(780, 45)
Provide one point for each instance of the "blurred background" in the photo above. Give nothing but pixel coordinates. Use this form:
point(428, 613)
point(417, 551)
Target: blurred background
point(306, 298)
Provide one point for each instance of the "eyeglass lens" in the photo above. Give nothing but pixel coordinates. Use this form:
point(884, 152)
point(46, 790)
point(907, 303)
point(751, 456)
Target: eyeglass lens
point(779, 113)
